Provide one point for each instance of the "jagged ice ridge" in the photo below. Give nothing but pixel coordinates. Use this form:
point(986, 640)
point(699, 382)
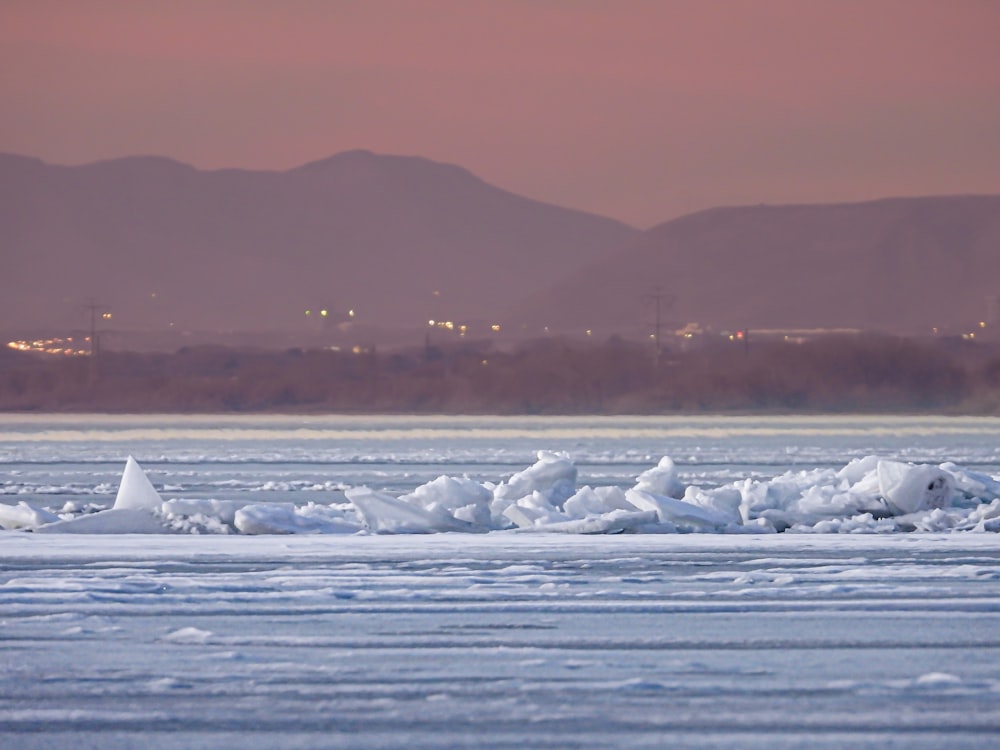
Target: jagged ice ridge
point(868, 495)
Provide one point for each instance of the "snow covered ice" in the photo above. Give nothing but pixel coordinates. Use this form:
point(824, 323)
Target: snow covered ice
point(499, 640)
point(700, 584)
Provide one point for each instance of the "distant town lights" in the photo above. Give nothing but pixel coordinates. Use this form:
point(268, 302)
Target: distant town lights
point(450, 325)
point(60, 346)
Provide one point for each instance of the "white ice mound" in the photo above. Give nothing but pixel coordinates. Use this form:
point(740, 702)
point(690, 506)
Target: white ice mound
point(596, 501)
point(868, 495)
point(680, 514)
point(24, 516)
point(285, 518)
point(972, 485)
point(553, 475)
point(136, 491)
point(908, 489)
point(464, 499)
point(113, 521)
point(386, 514)
point(661, 480)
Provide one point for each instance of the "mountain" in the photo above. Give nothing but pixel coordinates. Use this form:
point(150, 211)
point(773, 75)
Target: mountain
point(401, 240)
point(397, 239)
point(903, 265)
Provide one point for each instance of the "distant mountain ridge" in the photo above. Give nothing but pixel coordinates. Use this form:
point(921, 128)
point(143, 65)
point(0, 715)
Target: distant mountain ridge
point(403, 239)
point(161, 242)
point(898, 265)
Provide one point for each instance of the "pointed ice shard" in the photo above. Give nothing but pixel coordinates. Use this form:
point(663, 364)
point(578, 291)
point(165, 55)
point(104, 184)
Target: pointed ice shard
point(135, 490)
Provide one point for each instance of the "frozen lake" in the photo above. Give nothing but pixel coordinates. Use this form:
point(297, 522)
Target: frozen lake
point(49, 459)
point(496, 639)
point(500, 640)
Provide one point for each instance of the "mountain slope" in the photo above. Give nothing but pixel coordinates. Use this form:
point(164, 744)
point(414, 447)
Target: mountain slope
point(160, 242)
point(901, 265)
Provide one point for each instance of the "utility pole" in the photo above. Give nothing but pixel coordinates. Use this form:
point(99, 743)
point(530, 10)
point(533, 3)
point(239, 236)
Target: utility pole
point(95, 346)
point(93, 307)
point(661, 301)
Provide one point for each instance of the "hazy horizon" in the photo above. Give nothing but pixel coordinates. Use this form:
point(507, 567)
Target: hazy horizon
point(637, 111)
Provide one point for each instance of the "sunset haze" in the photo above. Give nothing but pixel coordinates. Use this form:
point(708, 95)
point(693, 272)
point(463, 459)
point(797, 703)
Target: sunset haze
point(640, 111)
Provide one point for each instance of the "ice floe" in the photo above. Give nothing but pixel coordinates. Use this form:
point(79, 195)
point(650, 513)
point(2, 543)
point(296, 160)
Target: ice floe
point(868, 495)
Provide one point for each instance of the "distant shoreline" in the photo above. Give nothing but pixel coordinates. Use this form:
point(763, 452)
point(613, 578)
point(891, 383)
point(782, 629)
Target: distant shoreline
point(867, 375)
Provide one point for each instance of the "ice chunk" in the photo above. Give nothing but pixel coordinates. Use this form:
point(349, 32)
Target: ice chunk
point(285, 518)
point(384, 513)
point(553, 475)
point(805, 498)
point(23, 516)
point(222, 510)
point(532, 511)
point(113, 521)
point(907, 488)
point(724, 501)
point(463, 498)
point(858, 469)
point(661, 480)
point(985, 517)
point(135, 490)
point(981, 488)
point(678, 512)
point(615, 522)
point(596, 501)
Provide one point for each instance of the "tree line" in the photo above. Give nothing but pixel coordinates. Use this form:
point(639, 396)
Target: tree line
point(550, 376)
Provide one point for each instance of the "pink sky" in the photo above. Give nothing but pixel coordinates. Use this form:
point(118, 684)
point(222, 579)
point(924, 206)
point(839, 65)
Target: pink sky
point(636, 110)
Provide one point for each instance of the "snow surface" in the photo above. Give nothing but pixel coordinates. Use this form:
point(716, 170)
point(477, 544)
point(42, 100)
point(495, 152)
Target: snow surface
point(500, 640)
